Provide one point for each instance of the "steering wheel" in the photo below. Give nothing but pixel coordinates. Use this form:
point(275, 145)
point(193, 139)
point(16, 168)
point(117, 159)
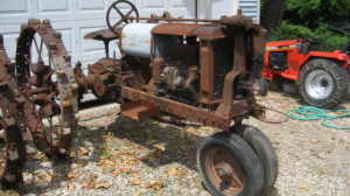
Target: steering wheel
point(124, 18)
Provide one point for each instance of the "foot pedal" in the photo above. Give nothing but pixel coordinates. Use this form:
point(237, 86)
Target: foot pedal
point(137, 110)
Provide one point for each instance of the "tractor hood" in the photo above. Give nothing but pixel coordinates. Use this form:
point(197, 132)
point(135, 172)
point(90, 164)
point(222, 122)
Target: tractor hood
point(342, 56)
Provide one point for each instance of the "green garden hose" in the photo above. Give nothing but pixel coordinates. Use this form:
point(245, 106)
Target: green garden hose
point(326, 116)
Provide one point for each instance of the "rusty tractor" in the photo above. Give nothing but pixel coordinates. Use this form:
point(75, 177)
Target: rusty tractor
point(199, 70)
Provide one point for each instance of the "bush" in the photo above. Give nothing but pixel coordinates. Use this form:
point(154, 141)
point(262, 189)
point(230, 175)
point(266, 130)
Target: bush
point(327, 39)
point(311, 13)
point(289, 31)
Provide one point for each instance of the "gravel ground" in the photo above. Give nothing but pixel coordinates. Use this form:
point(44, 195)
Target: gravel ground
point(118, 156)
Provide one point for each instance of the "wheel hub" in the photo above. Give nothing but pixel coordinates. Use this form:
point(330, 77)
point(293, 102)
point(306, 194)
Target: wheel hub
point(224, 172)
point(319, 84)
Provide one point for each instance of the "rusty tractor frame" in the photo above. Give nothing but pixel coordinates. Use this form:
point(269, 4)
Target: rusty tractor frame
point(198, 70)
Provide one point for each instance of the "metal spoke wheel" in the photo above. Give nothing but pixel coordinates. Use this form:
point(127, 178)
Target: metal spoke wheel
point(323, 83)
point(44, 75)
point(229, 166)
point(117, 8)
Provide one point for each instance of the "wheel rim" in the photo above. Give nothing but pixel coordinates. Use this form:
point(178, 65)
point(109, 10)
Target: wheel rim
point(224, 172)
point(319, 84)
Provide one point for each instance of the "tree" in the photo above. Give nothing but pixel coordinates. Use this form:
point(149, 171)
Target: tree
point(272, 13)
point(327, 21)
point(312, 13)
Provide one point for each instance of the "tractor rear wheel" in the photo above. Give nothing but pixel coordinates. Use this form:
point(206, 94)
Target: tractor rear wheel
point(324, 83)
point(229, 166)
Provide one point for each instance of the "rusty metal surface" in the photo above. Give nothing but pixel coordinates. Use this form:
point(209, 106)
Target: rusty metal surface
point(237, 100)
point(238, 20)
point(176, 29)
point(224, 171)
point(178, 109)
point(104, 78)
point(175, 84)
point(117, 7)
point(138, 110)
point(210, 32)
point(19, 113)
point(239, 68)
point(15, 151)
point(173, 19)
point(104, 35)
point(39, 75)
point(207, 69)
point(259, 41)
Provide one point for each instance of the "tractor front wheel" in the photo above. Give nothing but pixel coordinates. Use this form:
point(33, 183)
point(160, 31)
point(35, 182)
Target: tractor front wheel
point(265, 151)
point(324, 83)
point(229, 166)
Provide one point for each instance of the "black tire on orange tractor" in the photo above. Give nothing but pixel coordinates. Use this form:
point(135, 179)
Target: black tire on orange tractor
point(323, 83)
point(229, 166)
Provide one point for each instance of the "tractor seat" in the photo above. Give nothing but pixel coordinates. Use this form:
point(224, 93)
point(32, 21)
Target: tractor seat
point(104, 35)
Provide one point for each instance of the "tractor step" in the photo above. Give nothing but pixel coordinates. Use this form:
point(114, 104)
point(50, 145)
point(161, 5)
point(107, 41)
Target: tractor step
point(137, 110)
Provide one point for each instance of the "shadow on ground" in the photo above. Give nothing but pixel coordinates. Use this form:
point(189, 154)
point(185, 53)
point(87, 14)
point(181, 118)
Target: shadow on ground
point(179, 146)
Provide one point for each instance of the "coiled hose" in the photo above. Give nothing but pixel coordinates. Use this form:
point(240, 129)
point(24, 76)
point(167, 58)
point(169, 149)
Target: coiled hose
point(326, 117)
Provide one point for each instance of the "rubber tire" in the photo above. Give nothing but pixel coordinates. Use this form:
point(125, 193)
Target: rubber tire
point(339, 75)
point(266, 153)
point(244, 154)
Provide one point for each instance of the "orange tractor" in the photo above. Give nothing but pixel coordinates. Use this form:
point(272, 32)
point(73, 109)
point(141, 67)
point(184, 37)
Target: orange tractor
point(321, 77)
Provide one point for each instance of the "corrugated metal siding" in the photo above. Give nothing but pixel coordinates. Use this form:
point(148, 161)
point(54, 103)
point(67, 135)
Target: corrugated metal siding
point(251, 8)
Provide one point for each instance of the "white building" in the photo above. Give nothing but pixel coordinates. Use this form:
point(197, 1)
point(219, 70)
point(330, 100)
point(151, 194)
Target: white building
point(75, 18)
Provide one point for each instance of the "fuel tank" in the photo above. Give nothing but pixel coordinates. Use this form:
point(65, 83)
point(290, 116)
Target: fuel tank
point(136, 39)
